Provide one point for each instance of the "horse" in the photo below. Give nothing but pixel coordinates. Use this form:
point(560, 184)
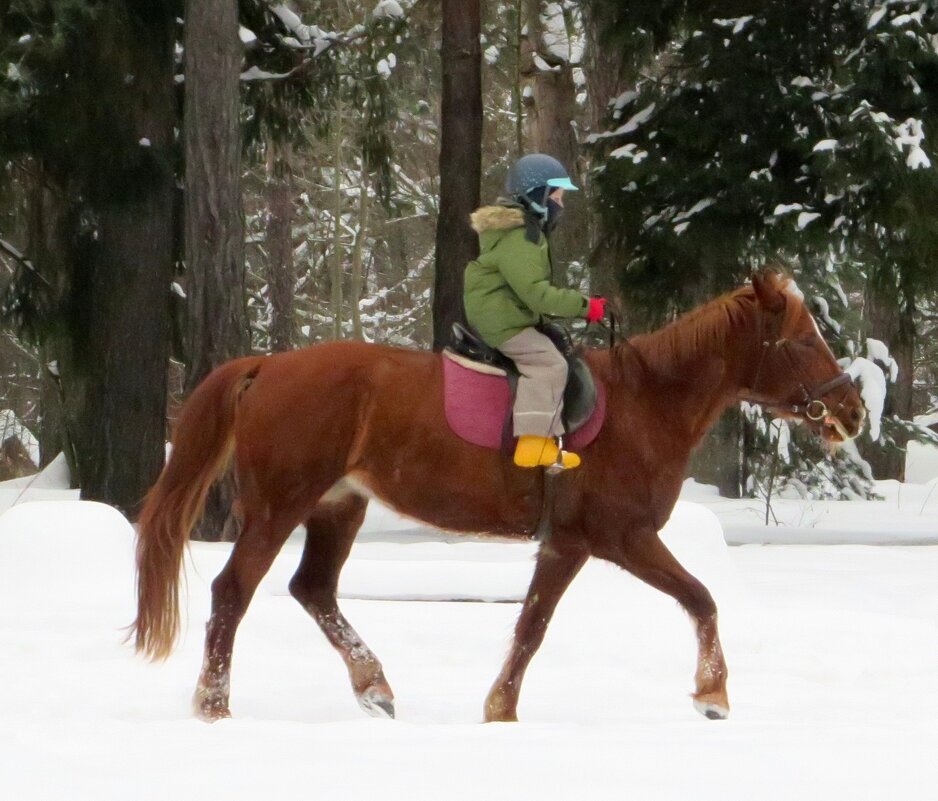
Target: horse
point(315, 433)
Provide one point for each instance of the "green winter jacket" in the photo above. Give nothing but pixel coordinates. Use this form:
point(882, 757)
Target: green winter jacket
point(508, 288)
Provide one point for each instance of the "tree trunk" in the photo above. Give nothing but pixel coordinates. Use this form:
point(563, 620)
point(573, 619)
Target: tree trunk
point(718, 460)
point(335, 273)
point(891, 320)
point(603, 68)
point(217, 328)
point(551, 111)
point(460, 161)
point(49, 247)
point(281, 272)
point(114, 375)
point(358, 255)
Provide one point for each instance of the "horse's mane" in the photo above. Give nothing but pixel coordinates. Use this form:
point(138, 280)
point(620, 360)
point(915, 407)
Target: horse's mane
point(711, 326)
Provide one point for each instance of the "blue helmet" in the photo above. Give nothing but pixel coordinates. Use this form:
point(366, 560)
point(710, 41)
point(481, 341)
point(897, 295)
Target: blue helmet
point(537, 171)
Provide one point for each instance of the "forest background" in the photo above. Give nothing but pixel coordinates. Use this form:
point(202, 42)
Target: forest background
point(185, 182)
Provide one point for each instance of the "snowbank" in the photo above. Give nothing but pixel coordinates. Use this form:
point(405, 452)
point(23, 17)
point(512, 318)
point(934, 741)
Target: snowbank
point(832, 655)
point(52, 483)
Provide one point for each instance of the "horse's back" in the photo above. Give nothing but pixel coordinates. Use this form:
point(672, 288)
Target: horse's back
point(310, 404)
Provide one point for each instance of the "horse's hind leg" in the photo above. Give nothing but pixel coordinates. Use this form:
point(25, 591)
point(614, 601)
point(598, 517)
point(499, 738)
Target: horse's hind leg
point(645, 556)
point(232, 591)
point(554, 570)
point(330, 533)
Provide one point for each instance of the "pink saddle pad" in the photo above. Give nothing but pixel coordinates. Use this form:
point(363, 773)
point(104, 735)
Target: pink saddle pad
point(478, 408)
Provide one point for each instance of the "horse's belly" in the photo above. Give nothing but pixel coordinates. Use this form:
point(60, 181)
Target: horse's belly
point(443, 503)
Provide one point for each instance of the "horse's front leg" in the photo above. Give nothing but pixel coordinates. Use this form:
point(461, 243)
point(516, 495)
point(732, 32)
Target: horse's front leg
point(644, 555)
point(553, 572)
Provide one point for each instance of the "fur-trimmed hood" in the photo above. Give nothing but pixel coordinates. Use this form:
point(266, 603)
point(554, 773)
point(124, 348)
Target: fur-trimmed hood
point(497, 218)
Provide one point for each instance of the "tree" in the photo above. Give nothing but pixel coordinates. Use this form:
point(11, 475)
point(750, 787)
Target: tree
point(550, 53)
point(217, 329)
point(281, 273)
point(87, 94)
point(604, 69)
point(460, 160)
point(798, 130)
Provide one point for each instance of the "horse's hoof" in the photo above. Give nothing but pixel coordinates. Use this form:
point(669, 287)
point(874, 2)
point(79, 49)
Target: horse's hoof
point(211, 714)
point(496, 711)
point(377, 703)
point(501, 718)
point(209, 710)
point(711, 710)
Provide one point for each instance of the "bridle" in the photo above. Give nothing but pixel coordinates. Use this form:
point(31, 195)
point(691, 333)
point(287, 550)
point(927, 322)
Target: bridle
point(811, 403)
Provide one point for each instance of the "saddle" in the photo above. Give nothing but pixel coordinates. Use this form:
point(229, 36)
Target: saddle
point(475, 375)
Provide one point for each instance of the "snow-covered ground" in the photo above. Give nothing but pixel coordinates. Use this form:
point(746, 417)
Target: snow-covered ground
point(833, 655)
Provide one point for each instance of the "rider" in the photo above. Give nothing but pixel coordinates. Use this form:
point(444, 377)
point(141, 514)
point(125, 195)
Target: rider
point(508, 291)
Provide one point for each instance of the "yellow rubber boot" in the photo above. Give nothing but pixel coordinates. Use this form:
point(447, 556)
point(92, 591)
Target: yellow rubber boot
point(534, 451)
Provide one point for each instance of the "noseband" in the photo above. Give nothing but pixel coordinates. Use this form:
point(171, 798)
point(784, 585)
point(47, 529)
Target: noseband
point(811, 404)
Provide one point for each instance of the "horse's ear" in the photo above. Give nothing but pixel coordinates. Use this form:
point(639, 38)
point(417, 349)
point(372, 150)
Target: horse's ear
point(768, 292)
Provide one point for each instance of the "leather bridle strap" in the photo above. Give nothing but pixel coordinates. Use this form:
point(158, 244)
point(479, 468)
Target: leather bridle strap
point(812, 406)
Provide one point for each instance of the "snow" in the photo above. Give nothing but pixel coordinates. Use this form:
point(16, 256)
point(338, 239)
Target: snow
point(388, 9)
point(832, 655)
point(630, 151)
point(543, 66)
point(878, 351)
point(906, 19)
point(825, 144)
point(738, 24)
point(805, 219)
point(911, 134)
point(824, 312)
point(554, 35)
point(257, 74)
point(876, 16)
point(293, 23)
point(872, 391)
point(632, 124)
point(699, 206)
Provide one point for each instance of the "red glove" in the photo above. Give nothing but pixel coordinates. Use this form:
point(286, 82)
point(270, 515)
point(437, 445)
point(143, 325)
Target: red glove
point(596, 310)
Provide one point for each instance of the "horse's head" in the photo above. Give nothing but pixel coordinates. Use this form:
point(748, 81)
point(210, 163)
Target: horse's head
point(796, 375)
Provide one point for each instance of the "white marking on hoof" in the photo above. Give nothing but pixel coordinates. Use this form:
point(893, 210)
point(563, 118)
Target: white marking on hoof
point(711, 711)
point(377, 704)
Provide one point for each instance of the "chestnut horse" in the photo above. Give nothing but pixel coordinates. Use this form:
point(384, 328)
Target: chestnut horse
point(315, 432)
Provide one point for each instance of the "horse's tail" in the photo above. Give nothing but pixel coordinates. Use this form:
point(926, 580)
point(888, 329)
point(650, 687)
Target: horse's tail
point(202, 445)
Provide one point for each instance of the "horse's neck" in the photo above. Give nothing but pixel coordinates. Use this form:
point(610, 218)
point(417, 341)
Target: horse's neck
point(700, 362)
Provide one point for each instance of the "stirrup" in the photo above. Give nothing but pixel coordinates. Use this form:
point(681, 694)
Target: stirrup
point(566, 460)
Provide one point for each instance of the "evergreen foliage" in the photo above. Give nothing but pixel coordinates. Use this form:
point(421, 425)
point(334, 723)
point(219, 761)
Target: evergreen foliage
point(295, 74)
point(793, 130)
point(798, 131)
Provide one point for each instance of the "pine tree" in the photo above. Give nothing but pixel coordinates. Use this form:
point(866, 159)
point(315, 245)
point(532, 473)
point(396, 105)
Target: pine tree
point(460, 160)
point(797, 130)
point(86, 95)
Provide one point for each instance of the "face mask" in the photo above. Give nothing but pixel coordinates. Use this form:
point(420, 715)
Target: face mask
point(554, 212)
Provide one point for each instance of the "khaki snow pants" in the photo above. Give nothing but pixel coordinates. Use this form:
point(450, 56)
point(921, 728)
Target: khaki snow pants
point(539, 399)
